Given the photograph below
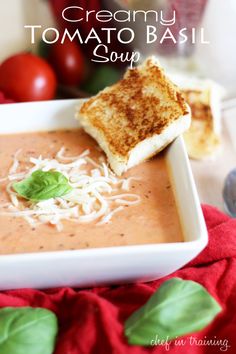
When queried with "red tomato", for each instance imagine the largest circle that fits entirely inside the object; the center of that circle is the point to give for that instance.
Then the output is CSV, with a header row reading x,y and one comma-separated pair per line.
x,y
26,77
68,62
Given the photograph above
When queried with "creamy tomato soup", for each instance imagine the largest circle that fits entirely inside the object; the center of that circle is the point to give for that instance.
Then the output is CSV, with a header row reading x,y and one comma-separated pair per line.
x,y
153,220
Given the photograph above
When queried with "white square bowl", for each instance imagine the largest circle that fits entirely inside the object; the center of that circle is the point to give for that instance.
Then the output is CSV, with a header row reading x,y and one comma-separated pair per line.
x,y
92,267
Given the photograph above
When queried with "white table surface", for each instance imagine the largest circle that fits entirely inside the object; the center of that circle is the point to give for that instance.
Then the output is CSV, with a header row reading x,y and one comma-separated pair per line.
x,y
210,174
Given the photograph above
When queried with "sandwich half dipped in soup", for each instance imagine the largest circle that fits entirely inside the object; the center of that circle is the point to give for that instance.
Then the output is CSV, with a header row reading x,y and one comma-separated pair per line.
x,y
137,117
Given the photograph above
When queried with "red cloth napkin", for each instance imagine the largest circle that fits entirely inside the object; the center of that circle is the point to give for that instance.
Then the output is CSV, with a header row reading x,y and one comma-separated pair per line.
x,y
91,320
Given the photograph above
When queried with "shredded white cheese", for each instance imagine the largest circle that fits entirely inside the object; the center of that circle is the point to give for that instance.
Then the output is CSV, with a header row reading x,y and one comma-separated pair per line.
x,y
15,163
94,198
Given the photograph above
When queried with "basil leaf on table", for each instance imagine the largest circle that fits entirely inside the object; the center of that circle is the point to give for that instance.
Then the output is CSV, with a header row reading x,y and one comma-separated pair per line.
x,y
177,308
43,185
27,330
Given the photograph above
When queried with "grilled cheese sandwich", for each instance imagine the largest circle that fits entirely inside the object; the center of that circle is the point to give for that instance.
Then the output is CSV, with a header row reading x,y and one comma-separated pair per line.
x,y
137,117
203,96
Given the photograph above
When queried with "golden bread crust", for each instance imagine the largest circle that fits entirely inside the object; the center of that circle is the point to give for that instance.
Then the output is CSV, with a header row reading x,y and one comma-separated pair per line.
x,y
137,107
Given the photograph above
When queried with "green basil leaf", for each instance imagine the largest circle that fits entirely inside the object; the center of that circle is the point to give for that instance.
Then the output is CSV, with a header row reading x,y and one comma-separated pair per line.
x,y
27,330
177,308
43,185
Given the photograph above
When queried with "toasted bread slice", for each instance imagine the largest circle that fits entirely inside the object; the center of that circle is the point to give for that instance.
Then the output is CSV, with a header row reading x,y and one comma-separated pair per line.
x,y
137,117
201,139
203,96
